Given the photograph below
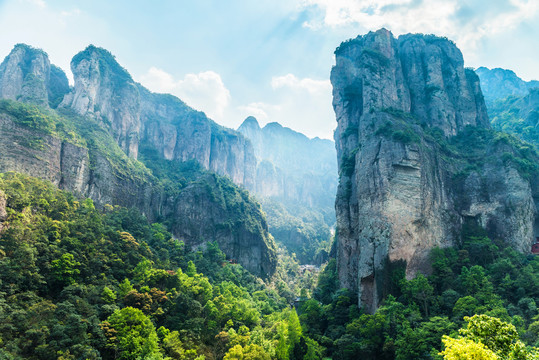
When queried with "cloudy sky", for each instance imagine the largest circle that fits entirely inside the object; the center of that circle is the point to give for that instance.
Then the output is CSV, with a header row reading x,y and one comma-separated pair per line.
x,y
267,58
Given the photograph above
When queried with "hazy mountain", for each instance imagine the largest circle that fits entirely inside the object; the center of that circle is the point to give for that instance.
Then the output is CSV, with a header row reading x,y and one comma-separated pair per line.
x,y
296,178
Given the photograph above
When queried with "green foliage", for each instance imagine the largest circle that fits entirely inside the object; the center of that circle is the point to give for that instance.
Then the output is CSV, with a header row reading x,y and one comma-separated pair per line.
x,y
422,314
107,64
348,163
303,231
76,282
487,337
65,269
131,334
376,56
28,115
400,127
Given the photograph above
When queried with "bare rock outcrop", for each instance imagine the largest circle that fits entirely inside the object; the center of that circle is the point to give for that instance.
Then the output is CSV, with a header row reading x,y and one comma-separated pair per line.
x,y
406,110
27,75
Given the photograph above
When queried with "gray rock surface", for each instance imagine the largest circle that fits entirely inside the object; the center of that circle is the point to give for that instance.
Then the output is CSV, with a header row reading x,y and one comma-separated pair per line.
x,y
27,75
140,118
398,195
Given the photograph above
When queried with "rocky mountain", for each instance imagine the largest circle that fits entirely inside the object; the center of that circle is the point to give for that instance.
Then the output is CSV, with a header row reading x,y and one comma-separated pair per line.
x,y
106,91
500,83
297,179
418,160
90,144
27,75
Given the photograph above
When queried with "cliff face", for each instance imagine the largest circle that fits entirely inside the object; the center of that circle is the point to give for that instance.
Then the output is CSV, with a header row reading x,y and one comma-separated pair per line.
x,y
109,117
139,118
178,132
291,166
404,109
27,75
105,90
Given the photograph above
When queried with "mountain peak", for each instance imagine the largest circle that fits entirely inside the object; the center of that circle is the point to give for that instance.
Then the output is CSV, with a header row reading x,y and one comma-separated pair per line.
x,y
500,83
250,122
107,61
26,75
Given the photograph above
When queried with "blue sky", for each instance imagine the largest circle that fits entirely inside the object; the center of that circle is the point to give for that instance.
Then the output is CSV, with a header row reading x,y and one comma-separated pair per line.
x,y
270,59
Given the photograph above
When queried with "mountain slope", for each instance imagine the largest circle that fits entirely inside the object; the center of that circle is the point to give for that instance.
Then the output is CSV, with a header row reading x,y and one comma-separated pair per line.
x,y
83,147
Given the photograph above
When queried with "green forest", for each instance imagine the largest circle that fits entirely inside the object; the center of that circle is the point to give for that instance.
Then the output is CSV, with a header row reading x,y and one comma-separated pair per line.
x,y
77,282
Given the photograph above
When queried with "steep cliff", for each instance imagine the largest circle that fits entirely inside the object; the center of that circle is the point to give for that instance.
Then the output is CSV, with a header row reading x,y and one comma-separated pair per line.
x,y
105,90
27,75
89,144
417,159
178,132
139,118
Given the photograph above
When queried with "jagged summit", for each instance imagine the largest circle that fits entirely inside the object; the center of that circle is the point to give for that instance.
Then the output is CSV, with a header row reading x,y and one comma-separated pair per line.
x,y
26,74
107,60
250,122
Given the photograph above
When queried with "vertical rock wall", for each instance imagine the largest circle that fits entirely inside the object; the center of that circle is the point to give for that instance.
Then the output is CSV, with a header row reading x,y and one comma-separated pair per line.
x,y
397,195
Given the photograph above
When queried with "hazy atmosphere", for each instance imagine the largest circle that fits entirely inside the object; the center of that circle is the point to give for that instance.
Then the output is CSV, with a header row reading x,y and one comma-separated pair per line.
x,y
269,59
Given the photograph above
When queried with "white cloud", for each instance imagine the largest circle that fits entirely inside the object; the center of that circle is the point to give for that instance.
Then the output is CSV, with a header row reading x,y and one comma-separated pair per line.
x,y
465,22
291,81
70,13
259,110
39,3
204,91
302,104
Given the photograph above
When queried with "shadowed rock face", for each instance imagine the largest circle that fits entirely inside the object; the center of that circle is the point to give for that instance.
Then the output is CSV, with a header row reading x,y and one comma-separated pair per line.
x,y
398,195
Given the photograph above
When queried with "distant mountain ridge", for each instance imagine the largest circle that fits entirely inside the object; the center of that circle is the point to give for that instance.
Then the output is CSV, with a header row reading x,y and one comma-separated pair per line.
x,y
500,83
296,179
290,165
